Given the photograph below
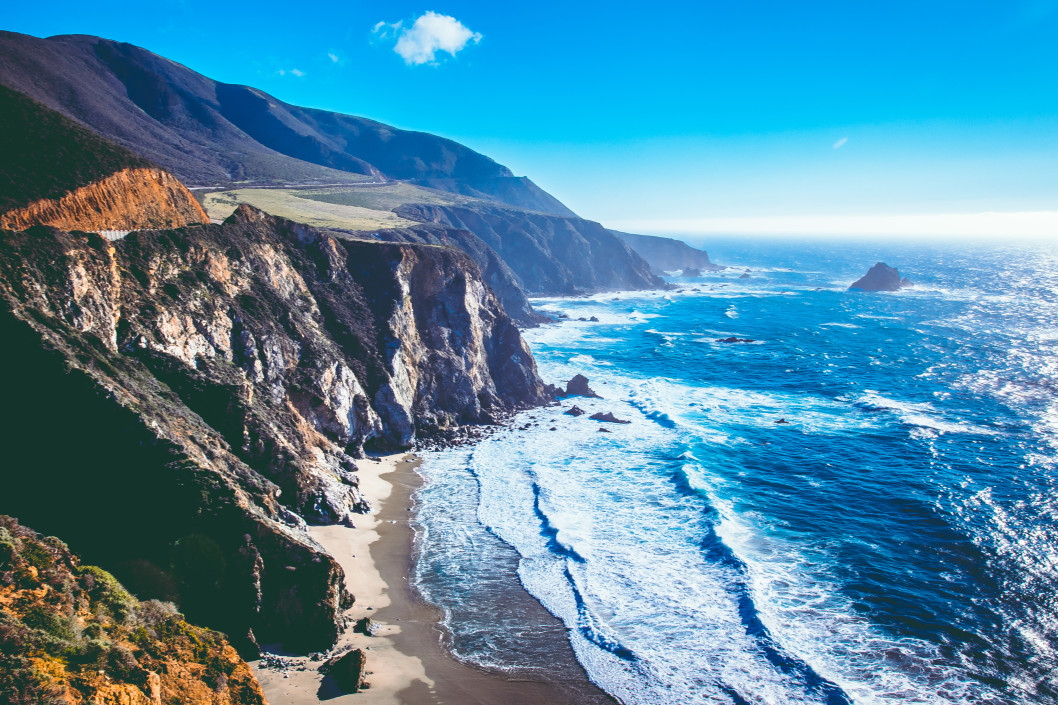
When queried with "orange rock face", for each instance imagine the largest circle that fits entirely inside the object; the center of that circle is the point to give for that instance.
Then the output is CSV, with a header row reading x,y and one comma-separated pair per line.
x,y
131,199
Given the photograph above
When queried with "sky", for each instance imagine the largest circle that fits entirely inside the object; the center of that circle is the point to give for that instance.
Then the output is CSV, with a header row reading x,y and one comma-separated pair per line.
x,y
743,116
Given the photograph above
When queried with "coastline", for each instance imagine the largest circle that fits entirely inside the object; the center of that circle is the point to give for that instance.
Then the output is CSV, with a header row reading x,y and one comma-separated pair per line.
x,y
407,662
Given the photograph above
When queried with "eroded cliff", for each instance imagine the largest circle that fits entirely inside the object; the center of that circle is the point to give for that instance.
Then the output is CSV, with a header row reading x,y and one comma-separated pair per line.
x,y
131,199
209,384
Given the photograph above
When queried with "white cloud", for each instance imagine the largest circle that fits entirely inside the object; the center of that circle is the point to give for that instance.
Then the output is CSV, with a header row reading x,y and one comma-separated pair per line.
x,y
333,56
429,34
841,143
291,72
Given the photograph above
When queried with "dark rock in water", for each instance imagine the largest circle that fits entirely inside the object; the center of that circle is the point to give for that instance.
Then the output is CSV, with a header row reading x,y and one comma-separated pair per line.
x,y
594,319
691,272
744,276
604,430
782,421
608,417
348,670
575,411
578,387
881,277
364,626
733,339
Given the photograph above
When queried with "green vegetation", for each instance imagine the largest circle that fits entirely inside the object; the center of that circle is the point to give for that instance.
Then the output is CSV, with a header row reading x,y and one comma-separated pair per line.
x,y
44,154
64,625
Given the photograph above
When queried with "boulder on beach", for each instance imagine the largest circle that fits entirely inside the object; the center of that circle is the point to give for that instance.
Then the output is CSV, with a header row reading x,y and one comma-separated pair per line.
x,y
578,387
607,417
575,411
348,670
881,277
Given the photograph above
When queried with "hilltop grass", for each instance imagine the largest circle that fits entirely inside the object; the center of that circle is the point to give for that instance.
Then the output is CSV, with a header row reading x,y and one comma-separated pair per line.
x,y
287,203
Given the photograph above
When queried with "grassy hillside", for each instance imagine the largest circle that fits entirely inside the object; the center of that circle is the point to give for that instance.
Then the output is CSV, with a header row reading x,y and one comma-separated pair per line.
x,y
46,155
70,633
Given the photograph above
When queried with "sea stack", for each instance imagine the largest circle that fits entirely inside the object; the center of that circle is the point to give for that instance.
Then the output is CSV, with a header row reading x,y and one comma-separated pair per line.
x,y
880,277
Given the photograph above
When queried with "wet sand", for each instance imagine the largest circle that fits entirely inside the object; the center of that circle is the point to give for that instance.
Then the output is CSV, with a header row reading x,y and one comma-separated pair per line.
x,y
406,660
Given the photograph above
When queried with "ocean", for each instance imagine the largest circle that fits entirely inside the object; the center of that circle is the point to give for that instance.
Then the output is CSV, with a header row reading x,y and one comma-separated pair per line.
x,y
893,542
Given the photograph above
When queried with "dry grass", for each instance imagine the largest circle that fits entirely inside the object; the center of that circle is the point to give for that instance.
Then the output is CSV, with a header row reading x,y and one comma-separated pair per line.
x,y
297,205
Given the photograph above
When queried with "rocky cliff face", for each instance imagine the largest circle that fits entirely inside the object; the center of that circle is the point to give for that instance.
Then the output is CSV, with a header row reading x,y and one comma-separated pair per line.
x,y
551,255
209,382
131,199
71,634
496,273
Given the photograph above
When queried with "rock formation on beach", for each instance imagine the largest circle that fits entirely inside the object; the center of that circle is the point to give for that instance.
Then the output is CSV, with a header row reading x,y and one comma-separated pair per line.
x,y
71,634
880,277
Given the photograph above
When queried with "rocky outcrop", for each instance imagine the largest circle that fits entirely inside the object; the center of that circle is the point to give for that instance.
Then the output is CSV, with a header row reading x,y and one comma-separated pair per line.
x,y
500,278
348,670
71,634
211,384
608,417
578,387
880,277
665,254
131,199
551,255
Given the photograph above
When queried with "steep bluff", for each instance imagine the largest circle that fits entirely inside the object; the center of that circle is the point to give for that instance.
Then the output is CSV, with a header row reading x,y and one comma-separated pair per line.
x,y
131,199
71,634
549,254
665,254
496,273
209,384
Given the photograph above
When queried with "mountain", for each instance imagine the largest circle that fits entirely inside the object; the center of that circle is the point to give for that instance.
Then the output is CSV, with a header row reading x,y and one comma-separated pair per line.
x,y
212,133
666,254
206,132
212,385
70,633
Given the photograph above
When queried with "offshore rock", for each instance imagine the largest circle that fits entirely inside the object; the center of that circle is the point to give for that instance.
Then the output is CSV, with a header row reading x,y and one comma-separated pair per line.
x,y
215,382
575,411
881,277
608,417
578,387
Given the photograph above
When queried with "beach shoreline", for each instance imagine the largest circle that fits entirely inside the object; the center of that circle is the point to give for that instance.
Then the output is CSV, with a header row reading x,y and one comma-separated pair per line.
x,y
407,662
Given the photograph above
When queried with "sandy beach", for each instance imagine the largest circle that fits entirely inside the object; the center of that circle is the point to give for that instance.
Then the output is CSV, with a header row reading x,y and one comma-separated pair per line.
x,y
406,661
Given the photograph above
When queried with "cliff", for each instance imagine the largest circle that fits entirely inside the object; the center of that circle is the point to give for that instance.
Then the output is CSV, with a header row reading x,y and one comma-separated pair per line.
x,y
131,199
665,254
70,634
550,255
218,381
494,270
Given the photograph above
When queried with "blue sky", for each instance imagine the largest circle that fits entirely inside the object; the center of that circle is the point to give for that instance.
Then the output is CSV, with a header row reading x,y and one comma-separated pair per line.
x,y
670,116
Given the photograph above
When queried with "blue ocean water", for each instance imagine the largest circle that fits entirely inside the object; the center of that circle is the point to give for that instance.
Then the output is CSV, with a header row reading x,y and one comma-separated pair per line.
x,y
894,541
